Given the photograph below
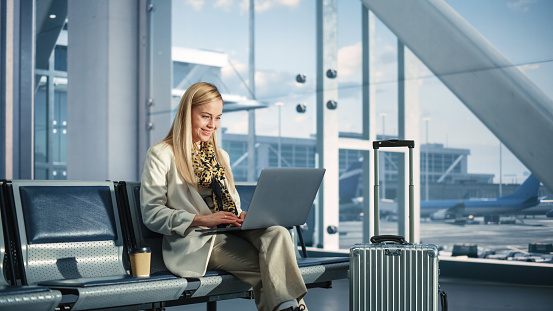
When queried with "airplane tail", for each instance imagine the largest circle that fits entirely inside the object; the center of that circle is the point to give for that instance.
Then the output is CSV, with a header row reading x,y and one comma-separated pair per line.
x,y
349,180
528,190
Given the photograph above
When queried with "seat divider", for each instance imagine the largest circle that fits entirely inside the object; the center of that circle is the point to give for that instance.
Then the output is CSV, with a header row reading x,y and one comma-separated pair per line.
x,y
125,219
8,234
13,229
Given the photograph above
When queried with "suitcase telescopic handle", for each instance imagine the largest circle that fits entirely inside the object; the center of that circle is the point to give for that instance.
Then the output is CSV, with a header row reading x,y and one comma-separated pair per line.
x,y
377,239
393,143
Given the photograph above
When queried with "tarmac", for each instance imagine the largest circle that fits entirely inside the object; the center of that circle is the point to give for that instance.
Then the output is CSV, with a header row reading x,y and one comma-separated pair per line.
x,y
488,237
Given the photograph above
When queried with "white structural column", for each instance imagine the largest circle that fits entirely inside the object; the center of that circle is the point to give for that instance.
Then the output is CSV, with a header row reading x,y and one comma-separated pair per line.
x,y
104,87
497,92
327,122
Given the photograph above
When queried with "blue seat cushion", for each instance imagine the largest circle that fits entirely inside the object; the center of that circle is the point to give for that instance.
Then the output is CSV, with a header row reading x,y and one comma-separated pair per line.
x,y
246,194
55,214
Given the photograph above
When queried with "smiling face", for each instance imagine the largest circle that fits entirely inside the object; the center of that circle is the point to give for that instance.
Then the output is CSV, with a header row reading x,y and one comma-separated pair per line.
x,y
205,120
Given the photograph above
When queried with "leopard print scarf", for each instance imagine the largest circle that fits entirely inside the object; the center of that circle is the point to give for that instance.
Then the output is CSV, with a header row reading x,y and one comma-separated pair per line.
x,y
211,175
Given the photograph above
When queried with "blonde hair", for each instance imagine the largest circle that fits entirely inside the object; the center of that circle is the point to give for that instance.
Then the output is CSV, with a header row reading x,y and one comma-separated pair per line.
x,y
180,134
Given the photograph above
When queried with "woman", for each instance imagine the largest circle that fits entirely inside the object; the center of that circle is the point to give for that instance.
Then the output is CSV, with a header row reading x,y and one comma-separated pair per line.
x,y
187,184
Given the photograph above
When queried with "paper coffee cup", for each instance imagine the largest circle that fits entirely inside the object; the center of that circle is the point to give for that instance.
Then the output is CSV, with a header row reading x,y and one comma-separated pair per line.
x,y
140,262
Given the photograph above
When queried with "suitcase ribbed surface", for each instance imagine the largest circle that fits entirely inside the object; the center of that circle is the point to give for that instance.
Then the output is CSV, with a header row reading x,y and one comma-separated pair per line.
x,y
393,277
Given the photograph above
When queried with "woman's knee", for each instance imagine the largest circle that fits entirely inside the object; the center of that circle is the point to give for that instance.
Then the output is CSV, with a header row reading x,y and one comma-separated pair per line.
x,y
277,235
278,232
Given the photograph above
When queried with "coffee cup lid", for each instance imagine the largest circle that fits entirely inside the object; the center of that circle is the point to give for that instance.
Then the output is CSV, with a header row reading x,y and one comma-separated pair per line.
x,y
140,250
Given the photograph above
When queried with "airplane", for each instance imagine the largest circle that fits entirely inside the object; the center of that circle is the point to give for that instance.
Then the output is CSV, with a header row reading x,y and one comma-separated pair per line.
x,y
351,205
524,197
545,207
458,210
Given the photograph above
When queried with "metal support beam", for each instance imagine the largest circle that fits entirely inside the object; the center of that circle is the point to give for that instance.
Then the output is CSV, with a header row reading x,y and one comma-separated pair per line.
x,y
18,54
3,128
369,119
327,122
402,224
408,128
160,73
144,83
25,118
155,74
252,163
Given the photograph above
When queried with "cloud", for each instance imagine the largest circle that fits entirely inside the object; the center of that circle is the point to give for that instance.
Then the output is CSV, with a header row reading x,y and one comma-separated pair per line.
x,y
389,56
235,122
224,4
529,67
349,61
521,6
196,4
265,5
270,85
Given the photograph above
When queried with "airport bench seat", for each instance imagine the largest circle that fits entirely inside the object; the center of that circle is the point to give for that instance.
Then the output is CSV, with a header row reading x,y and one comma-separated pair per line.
x,y
316,272
214,285
31,298
71,240
15,297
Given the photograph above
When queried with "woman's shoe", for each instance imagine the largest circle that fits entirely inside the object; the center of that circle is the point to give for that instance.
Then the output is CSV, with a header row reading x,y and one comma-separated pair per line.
x,y
298,308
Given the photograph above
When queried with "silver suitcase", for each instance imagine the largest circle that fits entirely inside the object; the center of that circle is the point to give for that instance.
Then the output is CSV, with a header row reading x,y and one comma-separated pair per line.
x,y
390,273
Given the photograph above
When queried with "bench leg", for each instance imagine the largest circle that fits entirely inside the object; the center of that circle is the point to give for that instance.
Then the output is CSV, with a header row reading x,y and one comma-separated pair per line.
x,y
212,306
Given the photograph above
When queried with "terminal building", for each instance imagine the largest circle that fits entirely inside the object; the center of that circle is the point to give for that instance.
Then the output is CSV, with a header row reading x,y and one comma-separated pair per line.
x,y
448,165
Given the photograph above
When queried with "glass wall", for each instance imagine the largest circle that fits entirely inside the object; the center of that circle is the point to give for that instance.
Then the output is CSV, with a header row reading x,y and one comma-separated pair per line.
x,y
460,159
50,152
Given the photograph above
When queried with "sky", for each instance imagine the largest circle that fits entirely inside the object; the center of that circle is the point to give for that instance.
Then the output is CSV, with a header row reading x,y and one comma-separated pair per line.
x,y
285,46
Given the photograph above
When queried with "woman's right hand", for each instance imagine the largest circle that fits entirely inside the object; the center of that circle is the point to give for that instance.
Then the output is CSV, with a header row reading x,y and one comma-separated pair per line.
x,y
215,219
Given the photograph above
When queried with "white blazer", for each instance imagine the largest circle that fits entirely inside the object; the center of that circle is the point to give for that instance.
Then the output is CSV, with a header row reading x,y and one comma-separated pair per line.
x,y
169,205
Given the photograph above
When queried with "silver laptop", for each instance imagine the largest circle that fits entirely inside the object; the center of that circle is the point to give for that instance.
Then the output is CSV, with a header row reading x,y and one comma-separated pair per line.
x,y
283,196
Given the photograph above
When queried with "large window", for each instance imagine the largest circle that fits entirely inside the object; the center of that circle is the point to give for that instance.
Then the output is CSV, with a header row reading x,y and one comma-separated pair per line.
x,y
460,159
51,116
